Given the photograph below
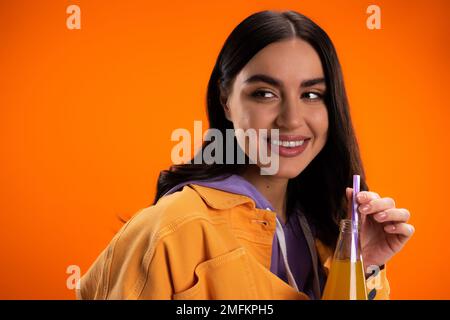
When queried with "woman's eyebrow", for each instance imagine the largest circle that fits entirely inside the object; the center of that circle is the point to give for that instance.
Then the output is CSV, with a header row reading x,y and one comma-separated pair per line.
x,y
278,83
311,82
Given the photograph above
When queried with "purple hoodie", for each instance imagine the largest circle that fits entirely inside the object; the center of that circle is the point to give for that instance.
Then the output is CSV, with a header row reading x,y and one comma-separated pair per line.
x,y
298,252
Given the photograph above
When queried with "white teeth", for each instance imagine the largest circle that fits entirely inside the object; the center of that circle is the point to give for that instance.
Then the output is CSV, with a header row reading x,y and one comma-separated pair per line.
x,y
289,144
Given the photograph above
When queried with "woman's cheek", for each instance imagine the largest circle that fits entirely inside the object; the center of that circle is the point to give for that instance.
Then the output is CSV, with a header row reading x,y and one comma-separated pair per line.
x,y
254,118
261,120
319,122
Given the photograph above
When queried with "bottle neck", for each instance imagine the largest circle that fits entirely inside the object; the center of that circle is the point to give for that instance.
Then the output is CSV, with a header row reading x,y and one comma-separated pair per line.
x,y
348,226
349,245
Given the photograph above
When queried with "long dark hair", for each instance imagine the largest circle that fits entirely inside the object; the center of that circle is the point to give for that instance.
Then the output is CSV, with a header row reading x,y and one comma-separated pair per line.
x,y
320,189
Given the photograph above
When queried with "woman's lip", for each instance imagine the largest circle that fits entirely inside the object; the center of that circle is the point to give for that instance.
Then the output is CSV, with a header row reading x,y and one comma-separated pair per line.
x,y
290,151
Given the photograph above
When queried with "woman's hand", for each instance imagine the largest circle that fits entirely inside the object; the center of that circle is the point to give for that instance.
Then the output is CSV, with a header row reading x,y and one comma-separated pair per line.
x,y
384,230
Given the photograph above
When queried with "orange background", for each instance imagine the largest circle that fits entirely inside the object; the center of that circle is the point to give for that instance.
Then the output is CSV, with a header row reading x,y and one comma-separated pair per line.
x,y
86,117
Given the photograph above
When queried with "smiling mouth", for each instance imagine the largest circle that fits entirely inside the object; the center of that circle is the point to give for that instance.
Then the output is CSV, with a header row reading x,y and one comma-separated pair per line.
x,y
289,146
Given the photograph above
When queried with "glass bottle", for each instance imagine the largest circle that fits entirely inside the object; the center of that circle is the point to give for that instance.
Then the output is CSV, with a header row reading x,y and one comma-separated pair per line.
x,y
346,279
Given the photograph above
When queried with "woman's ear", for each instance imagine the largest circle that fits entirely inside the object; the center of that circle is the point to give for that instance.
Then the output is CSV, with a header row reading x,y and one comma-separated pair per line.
x,y
224,103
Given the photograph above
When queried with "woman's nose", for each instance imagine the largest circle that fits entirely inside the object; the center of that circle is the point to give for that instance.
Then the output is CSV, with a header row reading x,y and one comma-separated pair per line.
x,y
291,113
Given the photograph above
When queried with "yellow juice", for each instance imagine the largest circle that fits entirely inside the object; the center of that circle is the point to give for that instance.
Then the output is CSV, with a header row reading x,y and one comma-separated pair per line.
x,y
345,281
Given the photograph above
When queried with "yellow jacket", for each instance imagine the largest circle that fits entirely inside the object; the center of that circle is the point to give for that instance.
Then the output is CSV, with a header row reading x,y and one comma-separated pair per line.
x,y
199,243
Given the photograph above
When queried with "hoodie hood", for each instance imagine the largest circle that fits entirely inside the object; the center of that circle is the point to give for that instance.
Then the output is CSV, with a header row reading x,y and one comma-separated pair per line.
x,y
233,184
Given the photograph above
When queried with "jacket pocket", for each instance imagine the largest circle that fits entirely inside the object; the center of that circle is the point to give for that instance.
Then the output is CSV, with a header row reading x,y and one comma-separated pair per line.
x,y
225,277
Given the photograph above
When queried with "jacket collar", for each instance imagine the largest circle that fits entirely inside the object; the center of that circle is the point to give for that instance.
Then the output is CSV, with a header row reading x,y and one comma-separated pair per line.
x,y
219,199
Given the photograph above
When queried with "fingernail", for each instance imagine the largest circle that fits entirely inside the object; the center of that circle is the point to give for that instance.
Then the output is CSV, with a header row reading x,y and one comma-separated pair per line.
x,y
361,196
391,227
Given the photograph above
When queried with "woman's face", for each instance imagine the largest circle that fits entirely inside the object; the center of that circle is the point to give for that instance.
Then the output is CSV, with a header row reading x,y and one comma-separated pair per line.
x,y
282,87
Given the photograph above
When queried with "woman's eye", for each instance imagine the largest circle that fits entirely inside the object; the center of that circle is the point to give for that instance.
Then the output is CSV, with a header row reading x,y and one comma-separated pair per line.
x,y
312,96
263,94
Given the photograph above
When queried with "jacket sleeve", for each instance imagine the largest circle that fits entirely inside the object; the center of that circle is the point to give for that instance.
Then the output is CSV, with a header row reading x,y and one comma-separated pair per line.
x,y
133,259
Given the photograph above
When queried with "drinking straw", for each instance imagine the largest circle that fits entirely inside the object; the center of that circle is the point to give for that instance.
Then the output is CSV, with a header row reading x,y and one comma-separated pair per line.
x,y
355,217
356,187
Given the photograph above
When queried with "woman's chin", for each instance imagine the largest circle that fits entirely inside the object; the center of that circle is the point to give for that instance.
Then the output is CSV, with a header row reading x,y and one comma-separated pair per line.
x,y
288,172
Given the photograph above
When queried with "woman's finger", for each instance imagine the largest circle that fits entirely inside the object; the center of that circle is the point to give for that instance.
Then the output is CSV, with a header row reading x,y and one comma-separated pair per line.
x,y
377,205
401,228
394,214
366,196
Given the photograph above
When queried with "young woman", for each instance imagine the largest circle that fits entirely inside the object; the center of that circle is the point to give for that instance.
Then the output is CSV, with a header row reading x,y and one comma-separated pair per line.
x,y
226,231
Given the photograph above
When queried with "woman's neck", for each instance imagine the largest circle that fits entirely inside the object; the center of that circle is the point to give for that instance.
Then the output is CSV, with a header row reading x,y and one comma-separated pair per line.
x,y
272,188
